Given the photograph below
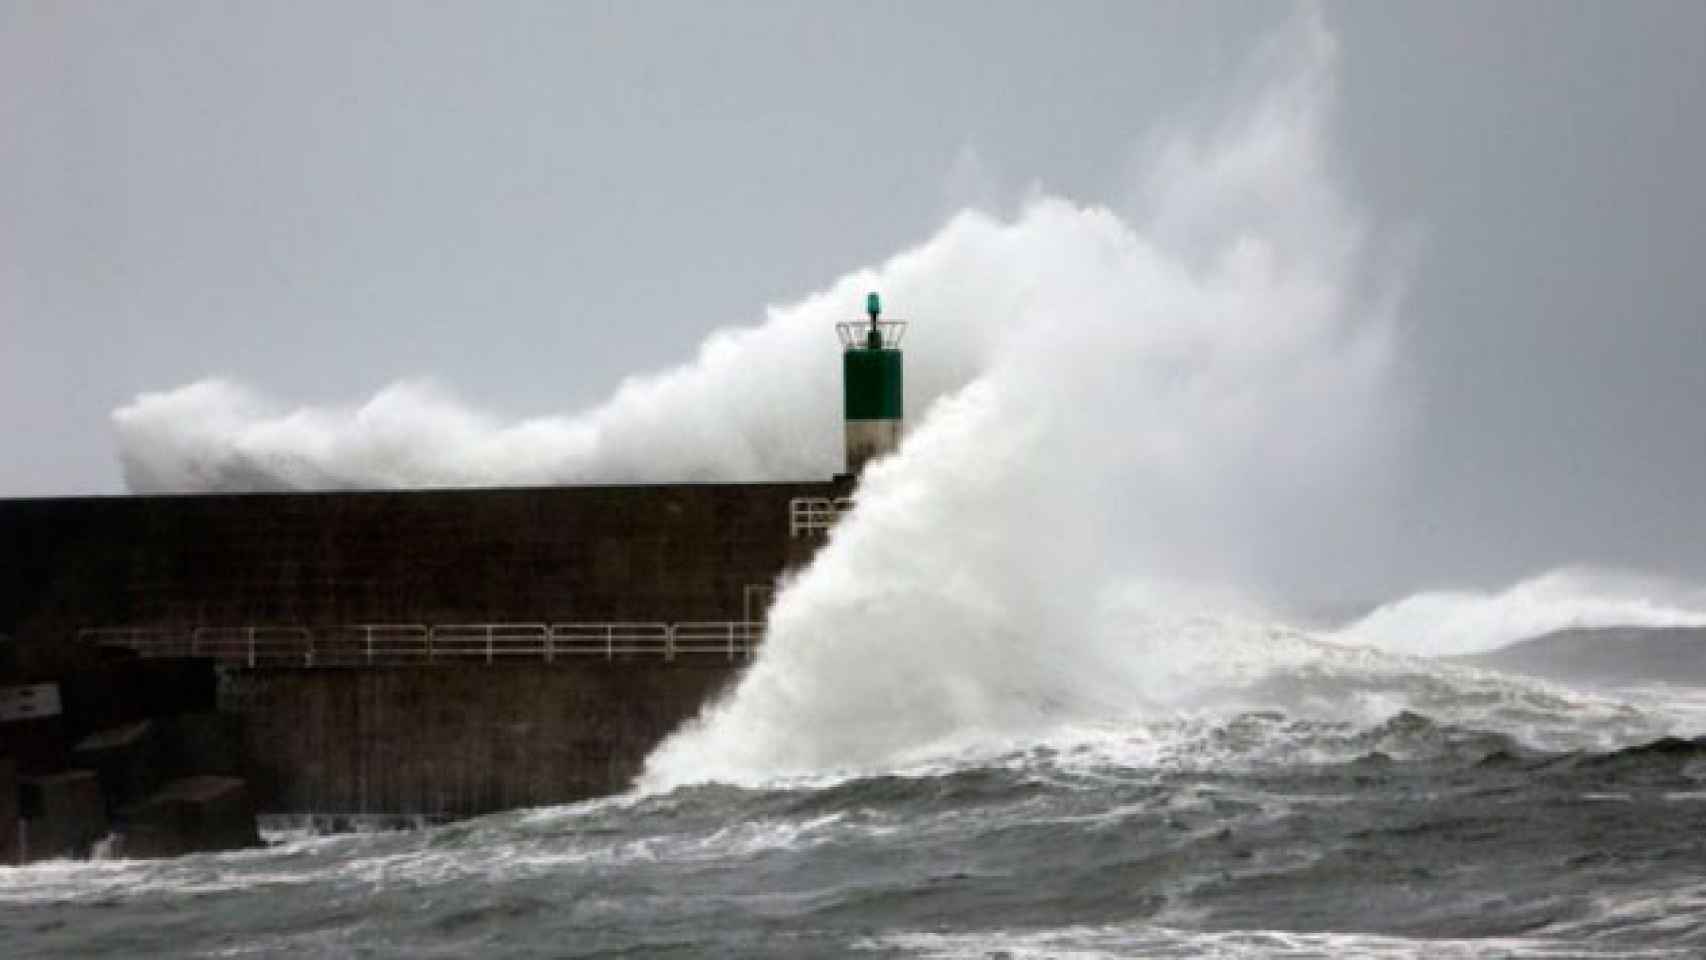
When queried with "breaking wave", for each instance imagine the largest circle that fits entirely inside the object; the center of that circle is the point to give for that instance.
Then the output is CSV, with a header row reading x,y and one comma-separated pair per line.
x,y
1131,427
1081,537
1037,696
1447,622
1186,395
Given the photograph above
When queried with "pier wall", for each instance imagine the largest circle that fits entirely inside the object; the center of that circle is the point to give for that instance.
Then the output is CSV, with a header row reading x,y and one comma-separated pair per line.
x,y
433,739
588,553
460,739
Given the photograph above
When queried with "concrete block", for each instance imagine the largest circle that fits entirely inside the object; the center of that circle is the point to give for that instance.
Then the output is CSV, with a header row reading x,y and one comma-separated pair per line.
x,y
190,815
126,759
202,743
450,741
37,744
116,693
9,672
64,814
8,811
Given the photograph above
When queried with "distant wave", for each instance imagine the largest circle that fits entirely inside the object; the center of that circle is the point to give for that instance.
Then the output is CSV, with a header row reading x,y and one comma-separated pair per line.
x,y
1447,622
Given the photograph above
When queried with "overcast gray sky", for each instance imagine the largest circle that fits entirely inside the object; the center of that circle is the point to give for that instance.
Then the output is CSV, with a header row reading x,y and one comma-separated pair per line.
x,y
529,201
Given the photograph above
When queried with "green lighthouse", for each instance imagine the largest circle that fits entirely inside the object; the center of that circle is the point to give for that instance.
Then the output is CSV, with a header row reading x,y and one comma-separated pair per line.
x,y
871,384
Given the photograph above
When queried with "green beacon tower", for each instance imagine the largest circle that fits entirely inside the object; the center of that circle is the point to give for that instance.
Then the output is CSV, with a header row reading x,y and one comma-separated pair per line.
x,y
871,384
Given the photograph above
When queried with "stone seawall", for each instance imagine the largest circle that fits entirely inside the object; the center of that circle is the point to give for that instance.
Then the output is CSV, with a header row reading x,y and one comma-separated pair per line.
x,y
669,552
9,819
459,739
435,740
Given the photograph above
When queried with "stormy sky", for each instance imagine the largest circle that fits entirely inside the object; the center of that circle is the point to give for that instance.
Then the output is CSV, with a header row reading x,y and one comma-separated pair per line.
x,y
528,202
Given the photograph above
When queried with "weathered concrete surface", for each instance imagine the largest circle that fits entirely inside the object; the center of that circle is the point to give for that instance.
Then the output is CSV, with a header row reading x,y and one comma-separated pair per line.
x,y
445,740
172,785
201,743
189,815
123,691
8,811
458,740
104,696
592,553
64,814
127,759
38,746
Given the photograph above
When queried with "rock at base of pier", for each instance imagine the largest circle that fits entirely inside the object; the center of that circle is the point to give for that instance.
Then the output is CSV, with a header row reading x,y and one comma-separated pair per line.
x,y
190,815
8,812
64,814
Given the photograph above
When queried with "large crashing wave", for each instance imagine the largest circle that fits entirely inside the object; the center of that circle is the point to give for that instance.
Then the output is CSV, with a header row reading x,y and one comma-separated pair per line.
x,y
1127,424
1175,390
1186,399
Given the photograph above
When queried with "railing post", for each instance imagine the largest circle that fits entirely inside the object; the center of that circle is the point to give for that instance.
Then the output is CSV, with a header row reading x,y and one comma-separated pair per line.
x,y
367,638
610,641
488,643
251,648
550,643
669,643
432,632
731,629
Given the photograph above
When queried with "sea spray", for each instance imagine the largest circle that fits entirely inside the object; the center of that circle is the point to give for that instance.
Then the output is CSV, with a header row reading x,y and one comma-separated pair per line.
x,y
1164,403
756,403
1137,424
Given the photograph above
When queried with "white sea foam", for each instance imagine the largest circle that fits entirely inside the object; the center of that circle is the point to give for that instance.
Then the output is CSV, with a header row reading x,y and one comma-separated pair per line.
x,y
1164,943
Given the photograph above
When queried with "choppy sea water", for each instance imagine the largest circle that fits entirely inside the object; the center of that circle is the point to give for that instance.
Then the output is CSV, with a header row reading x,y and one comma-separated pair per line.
x,y
1257,834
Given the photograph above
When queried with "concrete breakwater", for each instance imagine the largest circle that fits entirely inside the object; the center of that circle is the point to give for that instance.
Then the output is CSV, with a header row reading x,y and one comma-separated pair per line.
x,y
439,739
454,740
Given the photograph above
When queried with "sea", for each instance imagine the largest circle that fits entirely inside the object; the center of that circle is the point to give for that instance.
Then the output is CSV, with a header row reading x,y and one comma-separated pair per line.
x,y
1486,817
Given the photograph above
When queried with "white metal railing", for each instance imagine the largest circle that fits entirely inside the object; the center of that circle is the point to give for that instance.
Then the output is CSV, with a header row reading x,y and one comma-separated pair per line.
x,y
612,640
734,639
253,645
856,334
813,514
363,644
487,641
397,644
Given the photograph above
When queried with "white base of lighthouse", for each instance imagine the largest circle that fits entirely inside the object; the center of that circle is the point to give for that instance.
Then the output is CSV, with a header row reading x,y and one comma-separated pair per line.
x,y
869,439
